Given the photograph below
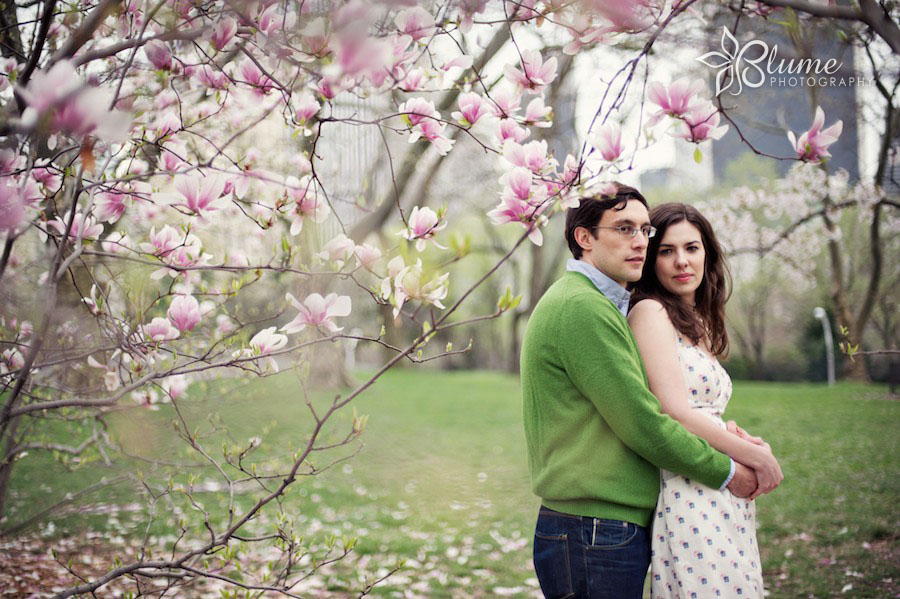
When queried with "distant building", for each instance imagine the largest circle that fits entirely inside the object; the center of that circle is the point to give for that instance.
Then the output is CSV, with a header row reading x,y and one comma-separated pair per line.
x,y
784,102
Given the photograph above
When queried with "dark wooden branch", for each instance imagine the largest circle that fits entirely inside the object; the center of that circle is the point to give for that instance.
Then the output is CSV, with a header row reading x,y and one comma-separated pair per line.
x,y
83,34
869,13
38,47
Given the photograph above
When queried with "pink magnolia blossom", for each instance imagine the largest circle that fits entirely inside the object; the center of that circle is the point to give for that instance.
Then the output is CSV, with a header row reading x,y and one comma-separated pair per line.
x,y
166,124
571,170
272,20
47,177
200,193
189,253
159,54
362,56
413,80
146,397
608,141
462,62
182,250
88,114
254,77
111,378
162,242
537,114
517,183
184,312
701,123
262,344
510,129
514,210
307,204
812,146
315,36
10,161
7,68
224,324
415,110
75,109
424,223
82,227
674,100
585,31
95,302
110,205
11,359
306,108
401,53
337,250
48,88
415,22
535,73
626,15
328,87
471,108
506,102
433,131
366,255
165,99
468,10
159,329
12,205
316,311
171,157
212,78
115,243
521,9
410,283
354,16
223,31
532,156
175,386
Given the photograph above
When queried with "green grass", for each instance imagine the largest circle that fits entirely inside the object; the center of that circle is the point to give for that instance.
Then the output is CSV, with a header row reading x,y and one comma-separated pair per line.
x,y
440,480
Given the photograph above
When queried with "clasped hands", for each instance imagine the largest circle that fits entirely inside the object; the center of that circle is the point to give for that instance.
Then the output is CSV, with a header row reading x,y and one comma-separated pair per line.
x,y
761,476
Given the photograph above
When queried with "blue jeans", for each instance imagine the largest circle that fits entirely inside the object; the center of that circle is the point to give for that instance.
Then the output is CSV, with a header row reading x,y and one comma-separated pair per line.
x,y
590,558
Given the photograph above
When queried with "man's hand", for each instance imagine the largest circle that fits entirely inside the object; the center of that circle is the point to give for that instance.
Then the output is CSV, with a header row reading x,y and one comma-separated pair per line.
x,y
743,483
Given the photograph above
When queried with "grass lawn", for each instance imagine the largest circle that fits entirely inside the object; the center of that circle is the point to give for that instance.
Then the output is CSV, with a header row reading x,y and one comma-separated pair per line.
x,y
440,481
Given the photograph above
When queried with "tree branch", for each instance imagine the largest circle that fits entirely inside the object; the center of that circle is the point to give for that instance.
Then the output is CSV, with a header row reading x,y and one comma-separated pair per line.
x,y
869,13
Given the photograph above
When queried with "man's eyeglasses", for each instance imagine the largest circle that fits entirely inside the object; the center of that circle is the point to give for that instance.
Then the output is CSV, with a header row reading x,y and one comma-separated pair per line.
x,y
631,231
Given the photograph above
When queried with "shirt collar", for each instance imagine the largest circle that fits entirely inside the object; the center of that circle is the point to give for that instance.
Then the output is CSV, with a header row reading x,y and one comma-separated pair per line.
x,y
614,292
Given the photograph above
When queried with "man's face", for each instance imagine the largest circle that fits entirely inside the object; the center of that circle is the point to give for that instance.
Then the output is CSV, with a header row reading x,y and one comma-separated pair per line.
x,y
618,256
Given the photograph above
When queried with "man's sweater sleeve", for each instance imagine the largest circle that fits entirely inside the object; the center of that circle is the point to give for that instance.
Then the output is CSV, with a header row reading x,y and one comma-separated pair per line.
x,y
599,356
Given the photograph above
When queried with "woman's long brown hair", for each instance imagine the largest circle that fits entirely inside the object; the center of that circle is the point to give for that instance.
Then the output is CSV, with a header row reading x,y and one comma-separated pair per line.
x,y
707,319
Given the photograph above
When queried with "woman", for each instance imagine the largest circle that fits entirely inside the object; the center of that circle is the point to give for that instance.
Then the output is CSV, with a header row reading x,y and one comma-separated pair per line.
x,y
704,540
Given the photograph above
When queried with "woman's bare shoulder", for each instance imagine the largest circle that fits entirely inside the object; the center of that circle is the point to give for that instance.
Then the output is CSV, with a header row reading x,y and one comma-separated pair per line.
x,y
650,314
647,308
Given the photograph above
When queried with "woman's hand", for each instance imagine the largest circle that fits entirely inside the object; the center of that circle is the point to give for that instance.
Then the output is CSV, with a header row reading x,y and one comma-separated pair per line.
x,y
768,471
734,429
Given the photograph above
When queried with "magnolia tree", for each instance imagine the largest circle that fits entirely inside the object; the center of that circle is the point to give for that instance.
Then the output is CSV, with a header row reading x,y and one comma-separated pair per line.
x,y
787,224
143,202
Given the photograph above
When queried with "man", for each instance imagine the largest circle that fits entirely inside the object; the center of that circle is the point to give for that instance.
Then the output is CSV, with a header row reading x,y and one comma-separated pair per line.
x,y
596,437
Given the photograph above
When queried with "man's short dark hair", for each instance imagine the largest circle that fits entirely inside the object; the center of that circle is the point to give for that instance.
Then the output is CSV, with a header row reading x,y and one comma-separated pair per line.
x,y
591,209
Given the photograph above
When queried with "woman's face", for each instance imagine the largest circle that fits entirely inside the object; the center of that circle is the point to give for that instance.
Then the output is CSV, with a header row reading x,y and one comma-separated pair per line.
x,y
681,260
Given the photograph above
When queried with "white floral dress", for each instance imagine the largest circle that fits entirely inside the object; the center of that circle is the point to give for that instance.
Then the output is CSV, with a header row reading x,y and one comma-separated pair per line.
x,y
704,540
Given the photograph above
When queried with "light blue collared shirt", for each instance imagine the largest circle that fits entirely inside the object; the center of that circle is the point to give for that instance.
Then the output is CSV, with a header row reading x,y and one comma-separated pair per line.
x,y
617,294
620,297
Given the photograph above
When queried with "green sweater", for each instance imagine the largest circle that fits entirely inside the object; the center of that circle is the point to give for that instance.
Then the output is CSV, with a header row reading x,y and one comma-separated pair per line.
x,y
596,436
